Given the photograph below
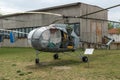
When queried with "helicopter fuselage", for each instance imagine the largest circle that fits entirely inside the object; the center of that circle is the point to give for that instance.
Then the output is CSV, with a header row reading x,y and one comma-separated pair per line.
x,y
54,38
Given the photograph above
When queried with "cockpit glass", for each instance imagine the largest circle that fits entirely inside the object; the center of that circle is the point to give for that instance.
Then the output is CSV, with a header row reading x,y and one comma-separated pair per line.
x,y
46,35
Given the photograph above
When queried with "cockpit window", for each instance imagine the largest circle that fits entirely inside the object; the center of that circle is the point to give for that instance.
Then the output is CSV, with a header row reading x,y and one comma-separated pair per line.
x,y
46,35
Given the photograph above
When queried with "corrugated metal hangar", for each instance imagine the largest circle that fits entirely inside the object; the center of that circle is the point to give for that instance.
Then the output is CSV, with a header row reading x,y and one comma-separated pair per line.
x,y
89,30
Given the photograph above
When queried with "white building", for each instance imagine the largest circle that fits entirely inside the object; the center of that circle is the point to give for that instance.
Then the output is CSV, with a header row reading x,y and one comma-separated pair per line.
x,y
115,34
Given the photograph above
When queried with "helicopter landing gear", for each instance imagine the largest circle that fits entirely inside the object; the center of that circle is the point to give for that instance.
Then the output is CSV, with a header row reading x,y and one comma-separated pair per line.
x,y
55,56
85,59
37,61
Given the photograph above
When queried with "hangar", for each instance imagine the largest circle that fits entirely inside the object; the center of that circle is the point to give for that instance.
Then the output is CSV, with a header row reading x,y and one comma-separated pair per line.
x,y
90,31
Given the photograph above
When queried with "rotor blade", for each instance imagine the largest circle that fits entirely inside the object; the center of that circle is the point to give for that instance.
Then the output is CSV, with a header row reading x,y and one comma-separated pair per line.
x,y
13,31
91,12
100,10
2,34
48,13
101,19
91,18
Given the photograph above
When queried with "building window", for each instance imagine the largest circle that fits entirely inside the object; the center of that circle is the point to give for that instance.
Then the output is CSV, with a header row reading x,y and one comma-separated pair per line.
x,y
25,30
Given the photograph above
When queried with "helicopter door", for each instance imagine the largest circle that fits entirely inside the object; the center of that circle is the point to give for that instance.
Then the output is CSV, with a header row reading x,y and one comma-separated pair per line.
x,y
64,42
67,41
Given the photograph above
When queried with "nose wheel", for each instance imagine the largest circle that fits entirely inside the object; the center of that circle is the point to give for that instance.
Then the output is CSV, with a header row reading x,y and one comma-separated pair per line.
x,y
37,61
55,56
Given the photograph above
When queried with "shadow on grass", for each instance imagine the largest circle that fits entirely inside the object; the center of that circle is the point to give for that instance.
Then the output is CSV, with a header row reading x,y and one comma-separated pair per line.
x,y
54,63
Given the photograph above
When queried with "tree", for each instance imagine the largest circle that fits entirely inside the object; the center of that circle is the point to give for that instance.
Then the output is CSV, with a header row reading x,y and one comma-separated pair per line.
x,y
113,25
110,25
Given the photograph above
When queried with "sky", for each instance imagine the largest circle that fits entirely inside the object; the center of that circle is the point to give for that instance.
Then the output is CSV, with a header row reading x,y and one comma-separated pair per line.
x,y
14,6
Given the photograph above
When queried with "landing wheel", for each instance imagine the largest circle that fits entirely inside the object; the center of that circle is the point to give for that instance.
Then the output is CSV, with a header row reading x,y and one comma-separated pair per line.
x,y
55,56
37,61
85,59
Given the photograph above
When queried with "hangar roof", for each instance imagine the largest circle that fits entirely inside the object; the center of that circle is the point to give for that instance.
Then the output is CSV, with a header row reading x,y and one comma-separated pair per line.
x,y
49,8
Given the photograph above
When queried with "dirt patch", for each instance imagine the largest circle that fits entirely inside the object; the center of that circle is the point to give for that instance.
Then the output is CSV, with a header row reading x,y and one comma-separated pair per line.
x,y
62,67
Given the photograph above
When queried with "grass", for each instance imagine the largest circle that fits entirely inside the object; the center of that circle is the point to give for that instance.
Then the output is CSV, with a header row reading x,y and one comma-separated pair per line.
x,y
19,64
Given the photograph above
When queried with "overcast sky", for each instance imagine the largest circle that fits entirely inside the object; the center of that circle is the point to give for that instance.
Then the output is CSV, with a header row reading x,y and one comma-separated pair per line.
x,y
13,6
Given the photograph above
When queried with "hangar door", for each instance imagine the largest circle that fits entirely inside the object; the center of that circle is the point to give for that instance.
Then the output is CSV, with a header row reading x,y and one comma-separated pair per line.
x,y
96,32
99,32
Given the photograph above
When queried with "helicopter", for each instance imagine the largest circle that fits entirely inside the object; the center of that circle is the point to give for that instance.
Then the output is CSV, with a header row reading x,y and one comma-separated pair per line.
x,y
54,37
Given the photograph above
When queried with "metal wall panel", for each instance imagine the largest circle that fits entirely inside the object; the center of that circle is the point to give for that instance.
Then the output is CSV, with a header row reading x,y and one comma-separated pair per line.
x,y
93,30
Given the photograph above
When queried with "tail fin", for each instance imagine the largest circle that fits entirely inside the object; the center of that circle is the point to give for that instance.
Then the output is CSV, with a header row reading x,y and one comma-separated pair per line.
x,y
12,37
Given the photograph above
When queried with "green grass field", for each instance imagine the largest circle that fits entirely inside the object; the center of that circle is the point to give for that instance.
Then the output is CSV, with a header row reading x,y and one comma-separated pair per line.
x,y
19,64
